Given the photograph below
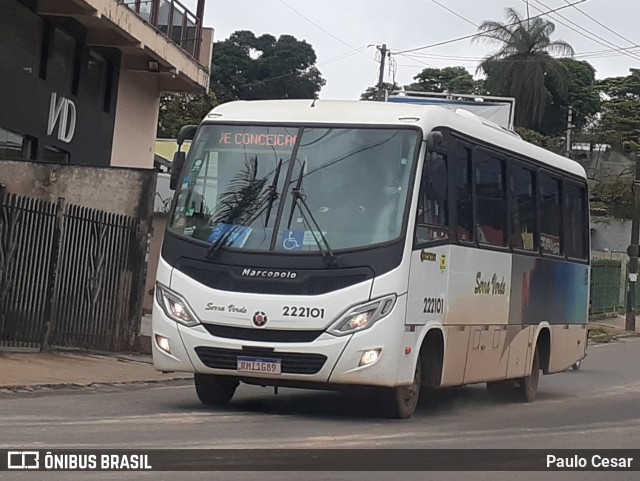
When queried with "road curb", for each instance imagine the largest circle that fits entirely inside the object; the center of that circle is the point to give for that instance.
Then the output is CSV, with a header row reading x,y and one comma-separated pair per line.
x,y
16,388
142,344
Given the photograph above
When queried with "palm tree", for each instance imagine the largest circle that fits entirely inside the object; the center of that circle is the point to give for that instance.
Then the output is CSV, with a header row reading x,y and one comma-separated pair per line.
x,y
523,62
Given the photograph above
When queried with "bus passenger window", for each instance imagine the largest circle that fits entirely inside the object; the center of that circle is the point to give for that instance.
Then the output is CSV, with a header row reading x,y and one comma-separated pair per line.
x,y
490,201
463,192
523,211
433,220
550,215
576,220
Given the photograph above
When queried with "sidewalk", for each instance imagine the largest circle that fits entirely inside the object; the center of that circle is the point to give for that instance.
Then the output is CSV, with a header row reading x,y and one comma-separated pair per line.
x,y
611,328
28,371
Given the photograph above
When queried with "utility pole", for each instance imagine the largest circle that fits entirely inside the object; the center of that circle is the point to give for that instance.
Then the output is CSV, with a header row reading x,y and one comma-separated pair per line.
x,y
632,251
567,146
630,318
383,58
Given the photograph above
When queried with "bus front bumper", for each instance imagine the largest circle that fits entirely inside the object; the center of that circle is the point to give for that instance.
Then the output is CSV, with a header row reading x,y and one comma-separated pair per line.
x,y
328,359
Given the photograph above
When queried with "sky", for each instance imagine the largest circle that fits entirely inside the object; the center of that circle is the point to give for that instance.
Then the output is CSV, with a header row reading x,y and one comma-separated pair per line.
x,y
345,33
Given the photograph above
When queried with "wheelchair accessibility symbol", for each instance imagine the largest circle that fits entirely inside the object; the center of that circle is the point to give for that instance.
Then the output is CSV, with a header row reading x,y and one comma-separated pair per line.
x,y
293,240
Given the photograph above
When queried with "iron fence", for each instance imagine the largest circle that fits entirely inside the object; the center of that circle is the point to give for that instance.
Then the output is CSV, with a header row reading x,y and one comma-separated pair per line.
x,y
70,276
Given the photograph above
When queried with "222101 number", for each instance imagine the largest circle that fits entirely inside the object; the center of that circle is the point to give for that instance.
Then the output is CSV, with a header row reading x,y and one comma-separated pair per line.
x,y
293,311
433,305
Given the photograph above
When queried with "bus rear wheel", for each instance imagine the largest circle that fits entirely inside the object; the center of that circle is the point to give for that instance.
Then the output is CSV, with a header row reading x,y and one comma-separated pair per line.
x,y
401,402
528,385
215,390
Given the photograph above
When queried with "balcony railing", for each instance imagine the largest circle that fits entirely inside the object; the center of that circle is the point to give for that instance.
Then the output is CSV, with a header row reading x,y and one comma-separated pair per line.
x,y
171,18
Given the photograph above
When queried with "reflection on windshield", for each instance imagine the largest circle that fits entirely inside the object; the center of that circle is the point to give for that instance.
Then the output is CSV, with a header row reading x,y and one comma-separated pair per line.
x,y
353,181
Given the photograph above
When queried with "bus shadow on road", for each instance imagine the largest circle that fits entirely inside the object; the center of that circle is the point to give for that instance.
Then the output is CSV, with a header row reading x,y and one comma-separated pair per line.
x,y
363,404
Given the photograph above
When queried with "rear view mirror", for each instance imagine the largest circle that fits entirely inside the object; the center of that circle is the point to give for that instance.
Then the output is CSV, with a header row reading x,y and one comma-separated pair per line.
x,y
187,132
435,178
178,162
436,142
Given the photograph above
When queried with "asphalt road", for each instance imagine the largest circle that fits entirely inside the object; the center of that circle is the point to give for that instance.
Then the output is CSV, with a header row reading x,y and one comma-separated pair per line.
x,y
597,407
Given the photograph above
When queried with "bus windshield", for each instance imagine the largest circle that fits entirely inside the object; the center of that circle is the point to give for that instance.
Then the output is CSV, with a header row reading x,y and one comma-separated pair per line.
x,y
239,182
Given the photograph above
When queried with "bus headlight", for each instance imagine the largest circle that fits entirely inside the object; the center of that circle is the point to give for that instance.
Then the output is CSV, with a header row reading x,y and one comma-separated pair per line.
x,y
364,316
175,307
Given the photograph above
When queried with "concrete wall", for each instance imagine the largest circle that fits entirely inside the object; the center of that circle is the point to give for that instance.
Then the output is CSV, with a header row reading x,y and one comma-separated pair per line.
x,y
158,226
122,191
612,234
136,120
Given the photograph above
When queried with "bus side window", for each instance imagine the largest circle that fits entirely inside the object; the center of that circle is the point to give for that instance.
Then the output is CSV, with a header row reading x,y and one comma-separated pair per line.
x,y
523,212
433,219
490,201
576,216
462,183
550,215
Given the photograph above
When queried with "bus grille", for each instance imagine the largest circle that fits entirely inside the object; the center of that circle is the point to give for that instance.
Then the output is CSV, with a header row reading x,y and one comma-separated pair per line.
x,y
292,362
309,283
261,335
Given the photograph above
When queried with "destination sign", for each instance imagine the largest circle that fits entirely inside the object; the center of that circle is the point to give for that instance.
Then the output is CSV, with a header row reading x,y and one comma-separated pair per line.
x,y
232,138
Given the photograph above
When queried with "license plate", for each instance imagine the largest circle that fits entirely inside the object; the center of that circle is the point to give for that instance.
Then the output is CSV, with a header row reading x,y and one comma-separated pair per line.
x,y
260,365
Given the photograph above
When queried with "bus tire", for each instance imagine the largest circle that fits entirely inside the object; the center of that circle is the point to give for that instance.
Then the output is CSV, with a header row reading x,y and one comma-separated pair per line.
x,y
401,402
528,385
214,390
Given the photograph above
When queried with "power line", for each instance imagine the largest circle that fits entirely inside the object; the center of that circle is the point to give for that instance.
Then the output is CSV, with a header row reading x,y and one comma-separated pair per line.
x,y
601,41
455,13
604,26
421,62
320,28
296,72
454,58
466,37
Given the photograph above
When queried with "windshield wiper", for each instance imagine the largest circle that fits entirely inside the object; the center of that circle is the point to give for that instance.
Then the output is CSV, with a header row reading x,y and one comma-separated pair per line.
x,y
299,200
268,198
273,193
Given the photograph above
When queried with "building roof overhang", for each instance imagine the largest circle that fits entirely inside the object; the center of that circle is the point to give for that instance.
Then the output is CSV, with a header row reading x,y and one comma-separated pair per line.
x,y
145,48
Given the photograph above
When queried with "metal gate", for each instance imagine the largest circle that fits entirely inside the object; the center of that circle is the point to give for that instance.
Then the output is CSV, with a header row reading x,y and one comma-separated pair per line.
x,y
70,276
605,286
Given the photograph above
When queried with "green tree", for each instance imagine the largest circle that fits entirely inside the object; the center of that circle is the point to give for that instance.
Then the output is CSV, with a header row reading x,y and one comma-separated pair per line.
x,y
449,79
372,93
619,121
581,93
549,142
246,67
177,110
523,62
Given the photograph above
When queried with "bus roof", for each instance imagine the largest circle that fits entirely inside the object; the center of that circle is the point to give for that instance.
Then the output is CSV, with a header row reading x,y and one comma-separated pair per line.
x,y
362,113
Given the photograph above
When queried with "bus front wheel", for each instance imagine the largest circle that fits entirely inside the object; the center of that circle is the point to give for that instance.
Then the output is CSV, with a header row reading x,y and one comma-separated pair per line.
x,y
401,402
214,390
528,385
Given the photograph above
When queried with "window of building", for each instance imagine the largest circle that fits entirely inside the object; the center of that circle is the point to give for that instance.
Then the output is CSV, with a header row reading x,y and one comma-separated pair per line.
x,y
575,208
55,155
20,37
523,208
10,145
433,219
17,147
550,214
96,79
61,61
490,201
462,184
